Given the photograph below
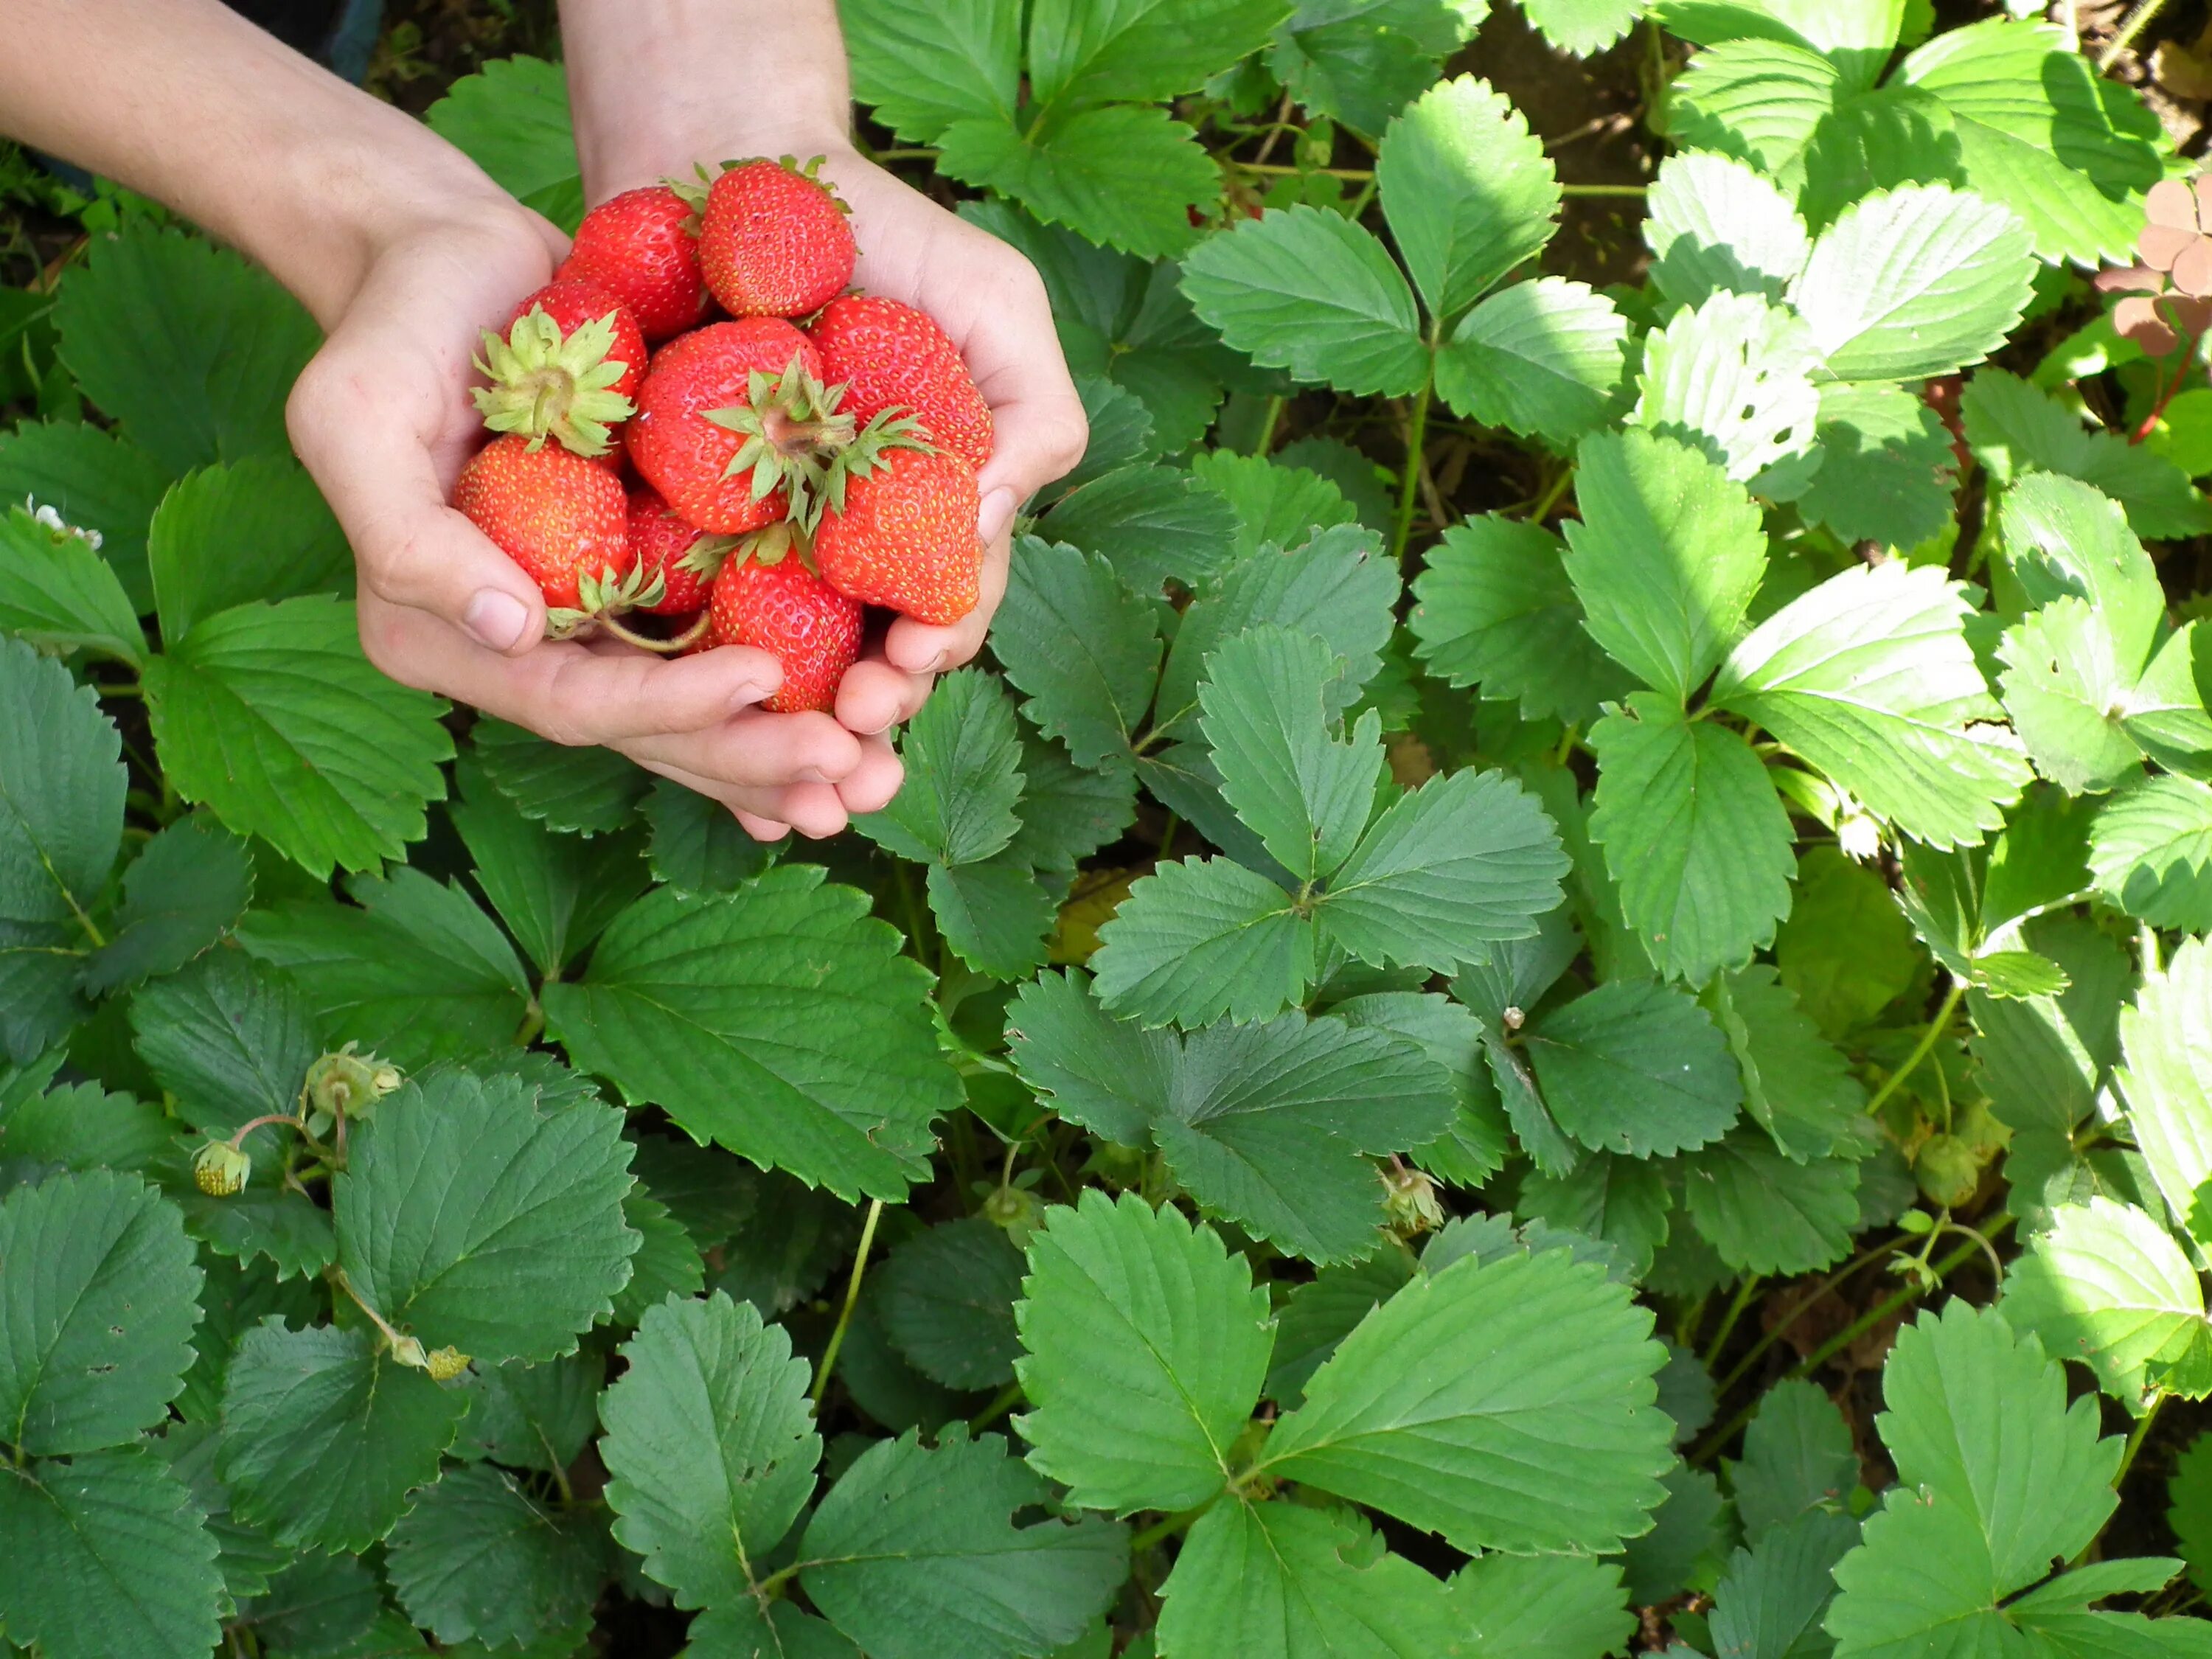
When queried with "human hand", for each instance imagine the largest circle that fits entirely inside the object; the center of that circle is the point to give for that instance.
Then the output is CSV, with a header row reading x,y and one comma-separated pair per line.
x,y
381,417
989,299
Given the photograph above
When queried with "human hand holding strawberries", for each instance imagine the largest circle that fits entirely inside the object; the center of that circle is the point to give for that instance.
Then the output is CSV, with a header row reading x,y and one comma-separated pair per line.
x,y
715,79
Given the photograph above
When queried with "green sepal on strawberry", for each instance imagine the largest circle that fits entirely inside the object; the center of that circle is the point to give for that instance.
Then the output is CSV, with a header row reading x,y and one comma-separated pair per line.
x,y
888,356
765,596
562,519
566,369
733,422
899,530
683,556
642,246
773,238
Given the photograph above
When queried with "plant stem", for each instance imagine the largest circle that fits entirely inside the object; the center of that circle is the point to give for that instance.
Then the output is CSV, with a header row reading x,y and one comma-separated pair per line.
x,y
1550,498
1007,1399
1267,439
1417,432
1277,167
1768,1338
252,1124
852,1299
1167,1526
2145,13
1604,190
1745,1291
2136,1436
1712,1444
1926,1045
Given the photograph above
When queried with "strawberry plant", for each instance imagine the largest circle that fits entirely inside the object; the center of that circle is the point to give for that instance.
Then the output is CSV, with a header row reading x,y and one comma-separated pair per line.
x,y
1549,997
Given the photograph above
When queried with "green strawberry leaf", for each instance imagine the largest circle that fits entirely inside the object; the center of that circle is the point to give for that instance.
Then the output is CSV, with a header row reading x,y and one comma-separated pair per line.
x,y
1914,282
477,1559
416,972
913,1554
1311,291
1870,678
1719,226
778,1021
1146,1346
1467,190
107,1554
1084,649
1542,358
1471,1370
1693,835
963,777
99,1294
344,759
323,1436
61,595
62,783
948,1303
710,1446
180,894
228,536
1665,557
1636,1068
187,348
94,480
471,1216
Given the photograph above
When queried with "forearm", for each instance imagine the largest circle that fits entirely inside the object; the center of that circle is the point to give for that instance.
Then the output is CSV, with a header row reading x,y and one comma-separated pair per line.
x,y
648,82
186,102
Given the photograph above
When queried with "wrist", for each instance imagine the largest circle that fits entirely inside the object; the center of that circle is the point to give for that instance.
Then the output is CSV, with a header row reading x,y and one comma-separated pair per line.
x,y
709,80
353,194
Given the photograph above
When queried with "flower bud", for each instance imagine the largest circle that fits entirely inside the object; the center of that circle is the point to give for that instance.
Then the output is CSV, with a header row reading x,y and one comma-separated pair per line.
x,y
346,1085
1409,1201
445,1364
1948,1170
220,1168
409,1351
1018,1211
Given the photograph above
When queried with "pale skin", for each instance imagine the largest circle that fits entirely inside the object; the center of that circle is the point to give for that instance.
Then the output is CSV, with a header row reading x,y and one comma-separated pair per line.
x,y
405,252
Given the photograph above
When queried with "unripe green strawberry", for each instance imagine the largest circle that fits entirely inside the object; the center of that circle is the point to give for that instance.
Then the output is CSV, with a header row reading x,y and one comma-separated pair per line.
x,y
732,423
773,240
683,555
765,597
904,535
889,355
643,247
566,369
219,1170
1947,1169
562,518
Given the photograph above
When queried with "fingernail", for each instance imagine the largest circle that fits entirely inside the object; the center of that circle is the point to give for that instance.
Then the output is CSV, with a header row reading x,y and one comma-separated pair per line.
x,y
496,619
997,513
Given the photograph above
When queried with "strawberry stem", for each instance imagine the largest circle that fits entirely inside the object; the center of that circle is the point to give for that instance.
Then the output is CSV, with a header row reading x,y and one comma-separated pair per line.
x,y
683,641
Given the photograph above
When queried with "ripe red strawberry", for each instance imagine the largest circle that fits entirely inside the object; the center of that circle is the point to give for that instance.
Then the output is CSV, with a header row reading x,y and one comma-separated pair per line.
x,y
904,535
643,246
567,368
683,556
783,608
889,355
774,240
561,517
730,420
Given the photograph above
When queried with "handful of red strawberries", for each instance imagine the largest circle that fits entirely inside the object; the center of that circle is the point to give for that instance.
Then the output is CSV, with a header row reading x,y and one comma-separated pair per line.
x,y
803,452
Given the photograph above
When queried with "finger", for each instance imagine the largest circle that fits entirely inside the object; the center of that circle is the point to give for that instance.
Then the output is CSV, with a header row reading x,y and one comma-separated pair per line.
x,y
874,697
751,808
814,810
919,648
756,749
871,784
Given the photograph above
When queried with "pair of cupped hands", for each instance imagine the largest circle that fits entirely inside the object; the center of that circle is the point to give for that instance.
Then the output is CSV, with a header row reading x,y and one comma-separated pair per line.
x,y
382,419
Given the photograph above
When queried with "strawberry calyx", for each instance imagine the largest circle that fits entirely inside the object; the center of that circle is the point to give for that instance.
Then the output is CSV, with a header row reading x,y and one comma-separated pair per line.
x,y
792,432
703,558
545,384
769,547
603,597
869,451
693,192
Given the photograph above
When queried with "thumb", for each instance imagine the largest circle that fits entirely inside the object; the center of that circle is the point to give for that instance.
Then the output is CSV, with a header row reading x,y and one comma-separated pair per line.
x,y
358,435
